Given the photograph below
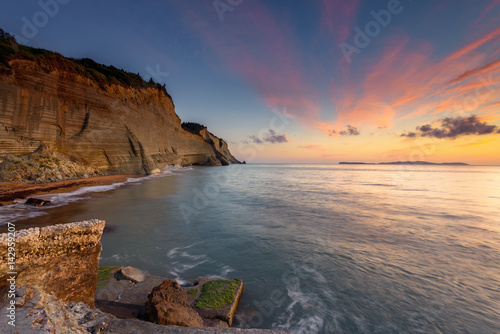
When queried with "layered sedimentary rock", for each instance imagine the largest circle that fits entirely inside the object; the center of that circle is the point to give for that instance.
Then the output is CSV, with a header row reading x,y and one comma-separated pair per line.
x,y
61,260
112,127
220,148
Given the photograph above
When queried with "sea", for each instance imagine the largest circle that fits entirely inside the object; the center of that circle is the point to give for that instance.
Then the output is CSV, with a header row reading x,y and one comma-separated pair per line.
x,y
321,248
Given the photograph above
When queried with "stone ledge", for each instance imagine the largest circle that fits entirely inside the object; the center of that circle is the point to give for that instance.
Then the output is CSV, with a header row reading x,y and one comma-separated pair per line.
x,y
53,240
60,259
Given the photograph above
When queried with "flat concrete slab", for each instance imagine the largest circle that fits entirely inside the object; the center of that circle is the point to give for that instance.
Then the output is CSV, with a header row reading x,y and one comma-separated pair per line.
x,y
215,300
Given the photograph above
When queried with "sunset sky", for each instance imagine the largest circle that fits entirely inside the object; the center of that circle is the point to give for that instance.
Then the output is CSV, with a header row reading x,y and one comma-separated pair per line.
x,y
301,81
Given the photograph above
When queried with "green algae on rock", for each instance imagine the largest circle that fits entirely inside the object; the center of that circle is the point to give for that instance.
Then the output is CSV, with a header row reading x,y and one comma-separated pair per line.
x,y
217,294
192,291
103,274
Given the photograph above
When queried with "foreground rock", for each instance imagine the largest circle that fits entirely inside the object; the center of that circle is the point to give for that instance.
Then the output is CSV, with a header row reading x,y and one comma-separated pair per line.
x,y
163,301
56,281
39,312
167,305
61,260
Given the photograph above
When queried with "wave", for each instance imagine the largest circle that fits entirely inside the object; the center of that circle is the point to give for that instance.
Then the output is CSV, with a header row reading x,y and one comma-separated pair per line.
x,y
183,262
307,311
18,211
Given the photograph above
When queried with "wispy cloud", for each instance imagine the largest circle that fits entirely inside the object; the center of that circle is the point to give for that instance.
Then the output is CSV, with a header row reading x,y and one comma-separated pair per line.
x,y
407,77
406,82
264,52
476,71
312,147
338,17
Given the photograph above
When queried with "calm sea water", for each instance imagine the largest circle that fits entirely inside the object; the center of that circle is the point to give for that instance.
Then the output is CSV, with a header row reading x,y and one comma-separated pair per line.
x,y
320,248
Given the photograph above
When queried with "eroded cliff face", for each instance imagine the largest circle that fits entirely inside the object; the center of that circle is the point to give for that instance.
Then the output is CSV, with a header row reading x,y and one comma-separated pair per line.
x,y
220,148
112,127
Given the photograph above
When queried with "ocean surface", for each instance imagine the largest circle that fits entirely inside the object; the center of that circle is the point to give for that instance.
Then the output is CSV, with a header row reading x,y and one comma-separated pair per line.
x,y
320,248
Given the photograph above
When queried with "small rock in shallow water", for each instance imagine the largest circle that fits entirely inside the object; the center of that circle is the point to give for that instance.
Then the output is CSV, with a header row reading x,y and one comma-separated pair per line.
x,y
38,202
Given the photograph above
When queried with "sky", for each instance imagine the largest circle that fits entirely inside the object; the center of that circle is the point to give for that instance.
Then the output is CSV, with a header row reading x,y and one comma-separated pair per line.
x,y
318,81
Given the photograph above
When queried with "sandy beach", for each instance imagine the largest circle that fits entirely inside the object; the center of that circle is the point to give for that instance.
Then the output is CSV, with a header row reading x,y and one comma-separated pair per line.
x,y
20,190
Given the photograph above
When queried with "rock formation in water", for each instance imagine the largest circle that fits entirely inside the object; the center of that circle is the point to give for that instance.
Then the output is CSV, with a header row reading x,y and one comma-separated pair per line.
x,y
168,305
56,279
100,117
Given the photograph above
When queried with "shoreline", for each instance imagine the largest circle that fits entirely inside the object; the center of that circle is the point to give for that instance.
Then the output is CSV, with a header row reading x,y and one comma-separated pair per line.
x,y
11,191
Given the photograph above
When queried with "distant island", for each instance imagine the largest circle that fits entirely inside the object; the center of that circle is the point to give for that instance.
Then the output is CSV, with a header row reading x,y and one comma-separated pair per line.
x,y
406,163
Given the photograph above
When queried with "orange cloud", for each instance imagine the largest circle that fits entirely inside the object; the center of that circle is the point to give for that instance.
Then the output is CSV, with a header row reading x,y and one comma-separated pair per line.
x,y
404,82
477,143
475,71
475,45
313,147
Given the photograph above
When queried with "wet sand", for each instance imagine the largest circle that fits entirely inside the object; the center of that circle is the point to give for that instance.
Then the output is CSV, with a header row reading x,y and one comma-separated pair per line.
x,y
20,190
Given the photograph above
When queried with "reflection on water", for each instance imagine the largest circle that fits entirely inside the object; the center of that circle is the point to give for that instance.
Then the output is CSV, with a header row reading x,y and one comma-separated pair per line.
x,y
320,248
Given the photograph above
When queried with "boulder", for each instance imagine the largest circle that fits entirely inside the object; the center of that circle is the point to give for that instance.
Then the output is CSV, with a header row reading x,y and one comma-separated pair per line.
x,y
37,202
167,305
130,273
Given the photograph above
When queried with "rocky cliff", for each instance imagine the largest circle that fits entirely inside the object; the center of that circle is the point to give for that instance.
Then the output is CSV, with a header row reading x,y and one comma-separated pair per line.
x,y
109,119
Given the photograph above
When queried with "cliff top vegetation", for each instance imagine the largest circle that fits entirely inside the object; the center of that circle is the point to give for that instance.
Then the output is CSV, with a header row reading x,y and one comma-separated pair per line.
x,y
100,73
196,128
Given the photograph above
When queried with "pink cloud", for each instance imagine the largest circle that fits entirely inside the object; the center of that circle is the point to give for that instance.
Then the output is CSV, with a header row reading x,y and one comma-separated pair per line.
x,y
475,44
476,71
406,82
486,10
338,17
252,44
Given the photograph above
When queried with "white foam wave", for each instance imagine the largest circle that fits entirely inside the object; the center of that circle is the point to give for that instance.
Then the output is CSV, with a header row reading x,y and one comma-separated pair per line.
x,y
118,257
14,212
183,267
18,211
306,311
183,261
174,251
